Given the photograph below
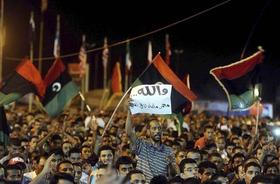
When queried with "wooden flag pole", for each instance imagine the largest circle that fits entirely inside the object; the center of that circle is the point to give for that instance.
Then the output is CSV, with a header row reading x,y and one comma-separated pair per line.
x,y
31,55
84,100
115,110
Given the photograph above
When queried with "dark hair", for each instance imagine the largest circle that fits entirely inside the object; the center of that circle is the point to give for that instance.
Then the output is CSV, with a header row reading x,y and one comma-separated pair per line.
x,y
270,165
249,164
12,167
74,150
63,162
105,147
204,165
268,179
184,162
56,177
128,176
160,179
191,181
123,160
55,137
208,127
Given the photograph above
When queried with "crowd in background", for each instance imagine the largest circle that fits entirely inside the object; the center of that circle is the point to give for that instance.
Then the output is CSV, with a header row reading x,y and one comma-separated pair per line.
x,y
143,148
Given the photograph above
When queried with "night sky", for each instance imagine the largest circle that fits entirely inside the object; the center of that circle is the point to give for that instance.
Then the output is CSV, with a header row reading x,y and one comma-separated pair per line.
x,y
211,39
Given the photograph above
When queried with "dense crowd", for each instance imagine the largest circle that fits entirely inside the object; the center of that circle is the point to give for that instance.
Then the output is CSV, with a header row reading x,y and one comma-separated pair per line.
x,y
75,148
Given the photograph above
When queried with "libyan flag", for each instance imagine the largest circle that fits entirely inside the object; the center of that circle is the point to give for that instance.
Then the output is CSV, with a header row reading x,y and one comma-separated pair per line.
x,y
60,89
240,81
4,127
25,79
158,72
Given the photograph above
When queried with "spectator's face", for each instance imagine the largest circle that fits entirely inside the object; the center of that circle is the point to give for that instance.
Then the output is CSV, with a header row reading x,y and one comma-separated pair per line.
x,y
195,156
220,143
54,161
272,170
63,181
137,178
124,138
156,131
56,144
100,173
190,170
75,157
14,175
251,172
230,150
106,141
240,172
207,174
237,161
86,152
78,173
180,156
222,180
106,156
66,148
218,161
124,169
66,168
209,134
90,140
40,165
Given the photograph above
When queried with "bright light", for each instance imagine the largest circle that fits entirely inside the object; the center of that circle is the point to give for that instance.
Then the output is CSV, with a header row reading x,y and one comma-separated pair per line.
x,y
256,91
276,131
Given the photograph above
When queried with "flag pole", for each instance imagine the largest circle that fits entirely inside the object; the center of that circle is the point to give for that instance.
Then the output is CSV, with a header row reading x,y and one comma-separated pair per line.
x,y
31,55
84,101
110,120
44,4
115,110
257,116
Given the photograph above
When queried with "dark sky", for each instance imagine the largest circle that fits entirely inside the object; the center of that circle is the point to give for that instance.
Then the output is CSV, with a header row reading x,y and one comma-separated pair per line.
x,y
211,39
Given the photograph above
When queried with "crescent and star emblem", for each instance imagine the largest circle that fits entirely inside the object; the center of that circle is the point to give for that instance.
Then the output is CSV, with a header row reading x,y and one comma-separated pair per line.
x,y
56,87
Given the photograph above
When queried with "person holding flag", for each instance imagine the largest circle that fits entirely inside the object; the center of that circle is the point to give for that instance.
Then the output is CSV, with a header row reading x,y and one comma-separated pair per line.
x,y
153,157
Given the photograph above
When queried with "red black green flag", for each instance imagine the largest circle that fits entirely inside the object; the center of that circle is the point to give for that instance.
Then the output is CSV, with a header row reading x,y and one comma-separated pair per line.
x,y
240,81
25,79
158,72
60,89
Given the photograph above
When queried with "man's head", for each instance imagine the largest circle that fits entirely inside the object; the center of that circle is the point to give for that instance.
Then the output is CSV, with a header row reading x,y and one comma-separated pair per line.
x,y
251,169
65,167
179,156
155,130
124,165
62,178
75,155
106,155
206,170
77,172
13,173
66,147
208,133
188,168
85,152
195,155
136,177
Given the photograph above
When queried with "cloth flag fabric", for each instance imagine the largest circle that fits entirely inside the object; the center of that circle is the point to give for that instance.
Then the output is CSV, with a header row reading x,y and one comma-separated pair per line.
x,y
240,81
159,73
83,57
167,50
128,62
60,89
56,48
150,52
25,79
117,79
4,127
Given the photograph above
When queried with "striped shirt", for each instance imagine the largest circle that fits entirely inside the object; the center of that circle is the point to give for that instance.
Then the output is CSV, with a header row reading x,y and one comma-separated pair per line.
x,y
152,160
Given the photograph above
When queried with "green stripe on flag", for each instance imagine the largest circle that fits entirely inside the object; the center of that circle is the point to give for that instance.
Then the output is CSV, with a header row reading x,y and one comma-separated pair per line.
x,y
57,104
6,99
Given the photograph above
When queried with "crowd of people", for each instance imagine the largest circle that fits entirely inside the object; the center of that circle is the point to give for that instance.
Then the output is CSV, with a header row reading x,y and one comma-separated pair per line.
x,y
76,148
